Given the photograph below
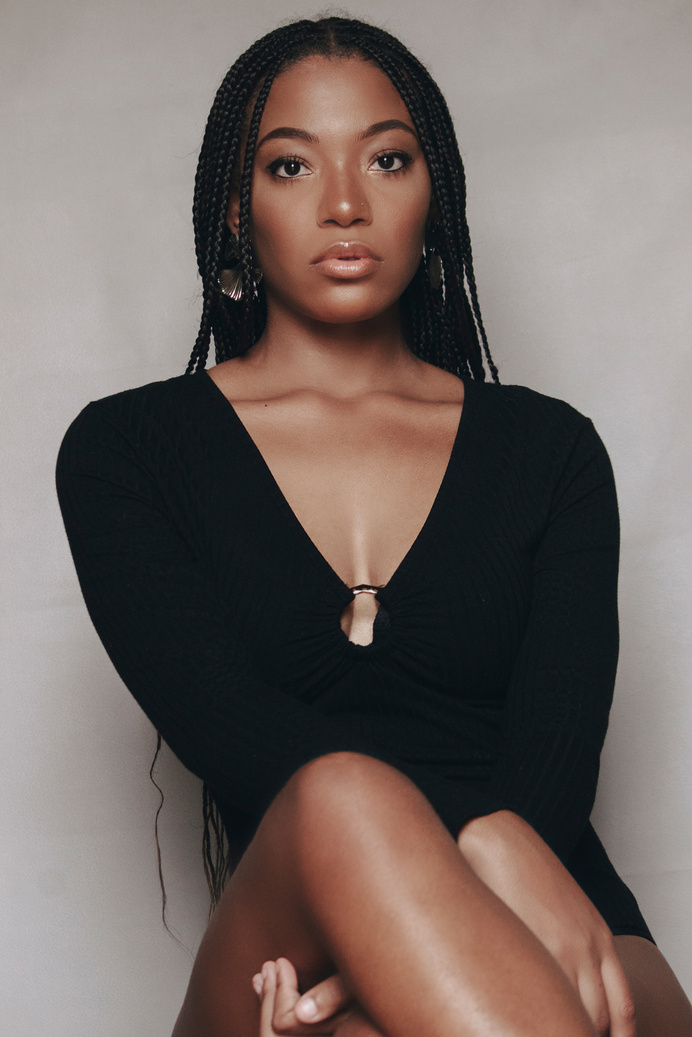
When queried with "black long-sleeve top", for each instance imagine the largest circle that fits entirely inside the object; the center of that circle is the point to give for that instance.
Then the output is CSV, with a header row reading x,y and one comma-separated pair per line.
x,y
490,675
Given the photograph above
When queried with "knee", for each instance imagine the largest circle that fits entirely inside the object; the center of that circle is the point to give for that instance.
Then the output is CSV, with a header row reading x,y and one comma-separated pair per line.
x,y
343,768
345,782
347,796
342,820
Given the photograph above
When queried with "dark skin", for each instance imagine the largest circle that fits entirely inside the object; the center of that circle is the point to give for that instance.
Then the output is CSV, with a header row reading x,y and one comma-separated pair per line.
x,y
357,432
357,429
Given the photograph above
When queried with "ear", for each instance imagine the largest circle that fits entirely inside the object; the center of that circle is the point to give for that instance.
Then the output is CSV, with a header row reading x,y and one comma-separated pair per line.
x,y
233,212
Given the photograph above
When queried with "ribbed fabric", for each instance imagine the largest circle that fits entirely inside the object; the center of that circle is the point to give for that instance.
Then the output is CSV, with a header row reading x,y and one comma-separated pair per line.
x,y
490,675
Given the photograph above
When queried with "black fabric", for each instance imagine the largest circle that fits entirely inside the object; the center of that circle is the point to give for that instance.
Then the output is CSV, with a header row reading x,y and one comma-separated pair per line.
x,y
490,675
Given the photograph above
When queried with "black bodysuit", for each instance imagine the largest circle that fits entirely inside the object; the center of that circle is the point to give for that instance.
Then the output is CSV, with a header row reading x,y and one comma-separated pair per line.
x,y
490,675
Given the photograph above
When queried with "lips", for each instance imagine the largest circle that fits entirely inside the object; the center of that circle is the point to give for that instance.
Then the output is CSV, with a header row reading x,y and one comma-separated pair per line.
x,y
347,259
346,250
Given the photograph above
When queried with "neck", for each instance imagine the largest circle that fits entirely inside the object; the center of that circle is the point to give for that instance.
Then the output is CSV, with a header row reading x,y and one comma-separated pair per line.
x,y
338,359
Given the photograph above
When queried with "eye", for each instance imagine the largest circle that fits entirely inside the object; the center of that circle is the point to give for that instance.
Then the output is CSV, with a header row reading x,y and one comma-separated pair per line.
x,y
291,166
391,161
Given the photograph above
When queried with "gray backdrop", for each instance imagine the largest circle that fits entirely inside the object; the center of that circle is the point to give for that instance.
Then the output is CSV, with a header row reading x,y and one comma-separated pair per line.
x,y
574,122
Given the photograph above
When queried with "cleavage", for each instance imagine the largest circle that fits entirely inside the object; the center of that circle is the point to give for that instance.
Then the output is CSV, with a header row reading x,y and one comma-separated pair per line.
x,y
360,485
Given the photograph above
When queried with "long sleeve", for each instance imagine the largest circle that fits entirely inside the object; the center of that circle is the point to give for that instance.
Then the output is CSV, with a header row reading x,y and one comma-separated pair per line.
x,y
489,685
170,638
559,698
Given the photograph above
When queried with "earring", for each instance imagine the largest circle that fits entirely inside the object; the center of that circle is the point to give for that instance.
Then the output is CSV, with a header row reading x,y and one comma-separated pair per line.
x,y
433,259
230,279
231,276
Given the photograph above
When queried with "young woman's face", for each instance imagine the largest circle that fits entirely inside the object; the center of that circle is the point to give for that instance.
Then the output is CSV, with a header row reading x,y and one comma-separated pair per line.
x,y
340,192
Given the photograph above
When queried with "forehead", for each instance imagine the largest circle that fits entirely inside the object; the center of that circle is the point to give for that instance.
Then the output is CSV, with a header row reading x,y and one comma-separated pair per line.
x,y
332,95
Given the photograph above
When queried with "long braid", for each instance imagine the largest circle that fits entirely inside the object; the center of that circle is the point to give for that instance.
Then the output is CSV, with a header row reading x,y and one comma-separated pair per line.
x,y
443,325
218,864
455,246
246,257
473,292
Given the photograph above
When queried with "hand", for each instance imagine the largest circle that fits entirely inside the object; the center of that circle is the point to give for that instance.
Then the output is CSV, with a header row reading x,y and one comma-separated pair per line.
x,y
516,864
320,1011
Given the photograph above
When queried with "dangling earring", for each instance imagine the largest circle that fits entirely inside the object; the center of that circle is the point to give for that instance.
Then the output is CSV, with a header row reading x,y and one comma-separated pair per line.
x,y
230,280
433,259
231,276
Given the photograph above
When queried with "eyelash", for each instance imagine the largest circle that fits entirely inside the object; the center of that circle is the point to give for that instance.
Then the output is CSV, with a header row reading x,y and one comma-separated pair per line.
x,y
284,160
403,156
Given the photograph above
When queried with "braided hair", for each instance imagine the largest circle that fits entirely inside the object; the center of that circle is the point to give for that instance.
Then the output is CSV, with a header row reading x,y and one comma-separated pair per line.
x,y
443,321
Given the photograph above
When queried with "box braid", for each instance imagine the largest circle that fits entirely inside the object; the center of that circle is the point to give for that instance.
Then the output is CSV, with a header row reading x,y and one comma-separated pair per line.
x,y
444,325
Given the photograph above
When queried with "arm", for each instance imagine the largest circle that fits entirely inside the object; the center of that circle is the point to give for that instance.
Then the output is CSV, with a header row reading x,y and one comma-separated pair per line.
x,y
518,866
556,719
562,685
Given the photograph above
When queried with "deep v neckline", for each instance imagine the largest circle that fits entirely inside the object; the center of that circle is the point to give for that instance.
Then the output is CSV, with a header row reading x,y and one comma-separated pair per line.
x,y
293,519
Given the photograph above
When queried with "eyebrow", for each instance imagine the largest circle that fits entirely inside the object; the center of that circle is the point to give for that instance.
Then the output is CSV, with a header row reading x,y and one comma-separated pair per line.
x,y
292,133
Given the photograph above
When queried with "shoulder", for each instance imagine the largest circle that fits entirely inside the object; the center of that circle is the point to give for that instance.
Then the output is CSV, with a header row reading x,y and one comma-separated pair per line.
x,y
529,418
146,425
537,438
520,404
159,400
138,413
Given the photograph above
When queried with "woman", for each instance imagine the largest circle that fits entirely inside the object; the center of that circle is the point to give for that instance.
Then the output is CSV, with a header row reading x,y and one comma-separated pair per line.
x,y
367,597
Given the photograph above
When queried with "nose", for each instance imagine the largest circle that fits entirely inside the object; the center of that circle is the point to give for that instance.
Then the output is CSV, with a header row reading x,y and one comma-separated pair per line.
x,y
344,200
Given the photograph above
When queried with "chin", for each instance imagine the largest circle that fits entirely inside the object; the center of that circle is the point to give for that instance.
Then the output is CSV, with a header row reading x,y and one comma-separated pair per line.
x,y
351,303
348,314
351,308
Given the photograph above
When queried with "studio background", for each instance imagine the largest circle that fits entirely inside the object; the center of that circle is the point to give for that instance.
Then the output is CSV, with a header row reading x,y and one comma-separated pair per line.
x,y
574,123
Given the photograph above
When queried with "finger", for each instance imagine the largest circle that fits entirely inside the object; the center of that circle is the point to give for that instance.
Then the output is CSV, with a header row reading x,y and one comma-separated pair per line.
x,y
258,983
619,996
324,1000
287,994
279,996
268,995
593,997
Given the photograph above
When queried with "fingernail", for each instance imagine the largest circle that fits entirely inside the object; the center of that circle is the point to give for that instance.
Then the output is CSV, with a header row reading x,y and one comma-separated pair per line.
x,y
258,983
307,1008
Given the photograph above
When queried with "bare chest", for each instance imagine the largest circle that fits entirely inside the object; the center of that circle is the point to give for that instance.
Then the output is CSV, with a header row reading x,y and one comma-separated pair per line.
x,y
360,479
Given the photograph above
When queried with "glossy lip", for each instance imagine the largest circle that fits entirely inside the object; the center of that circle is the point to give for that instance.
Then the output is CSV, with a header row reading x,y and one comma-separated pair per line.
x,y
347,259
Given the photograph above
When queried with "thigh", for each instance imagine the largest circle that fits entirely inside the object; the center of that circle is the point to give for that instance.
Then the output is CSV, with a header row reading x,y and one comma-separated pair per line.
x,y
351,864
662,1008
260,917
253,923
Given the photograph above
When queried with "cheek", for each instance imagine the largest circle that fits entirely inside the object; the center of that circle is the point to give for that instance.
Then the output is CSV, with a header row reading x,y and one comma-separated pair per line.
x,y
271,233
408,211
406,230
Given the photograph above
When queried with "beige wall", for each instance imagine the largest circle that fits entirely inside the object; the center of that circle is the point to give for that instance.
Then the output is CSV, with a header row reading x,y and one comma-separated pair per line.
x,y
574,122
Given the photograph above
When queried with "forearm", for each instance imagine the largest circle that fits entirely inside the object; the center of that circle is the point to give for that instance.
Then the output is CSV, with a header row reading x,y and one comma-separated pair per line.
x,y
515,863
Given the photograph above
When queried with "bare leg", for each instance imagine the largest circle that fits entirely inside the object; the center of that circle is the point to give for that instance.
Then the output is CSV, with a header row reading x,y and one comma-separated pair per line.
x,y
352,871
662,1008
279,995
